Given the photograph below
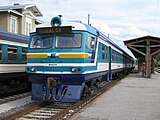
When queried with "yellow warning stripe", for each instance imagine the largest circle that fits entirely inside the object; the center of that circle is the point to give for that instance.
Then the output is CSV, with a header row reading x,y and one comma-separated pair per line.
x,y
37,56
73,56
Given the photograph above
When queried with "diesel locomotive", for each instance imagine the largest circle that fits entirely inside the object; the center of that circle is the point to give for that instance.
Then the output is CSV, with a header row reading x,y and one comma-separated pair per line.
x,y
66,60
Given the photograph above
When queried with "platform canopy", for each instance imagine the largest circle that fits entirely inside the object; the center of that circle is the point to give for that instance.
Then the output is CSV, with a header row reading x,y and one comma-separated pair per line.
x,y
144,49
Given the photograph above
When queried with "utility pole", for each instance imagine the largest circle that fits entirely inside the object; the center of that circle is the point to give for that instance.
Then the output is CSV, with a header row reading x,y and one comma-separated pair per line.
x,y
88,19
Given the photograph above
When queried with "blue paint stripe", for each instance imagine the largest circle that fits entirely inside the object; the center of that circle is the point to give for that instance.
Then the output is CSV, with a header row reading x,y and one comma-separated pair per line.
x,y
61,69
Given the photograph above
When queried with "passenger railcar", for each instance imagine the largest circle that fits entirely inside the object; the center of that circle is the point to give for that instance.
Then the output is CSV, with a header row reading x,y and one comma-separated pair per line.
x,y
67,60
13,49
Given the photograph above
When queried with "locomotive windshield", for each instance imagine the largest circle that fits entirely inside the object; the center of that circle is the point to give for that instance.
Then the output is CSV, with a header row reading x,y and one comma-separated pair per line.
x,y
68,40
41,41
62,41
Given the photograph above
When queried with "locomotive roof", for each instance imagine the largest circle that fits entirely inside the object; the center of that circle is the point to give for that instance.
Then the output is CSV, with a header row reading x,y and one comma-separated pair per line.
x,y
85,27
13,37
75,26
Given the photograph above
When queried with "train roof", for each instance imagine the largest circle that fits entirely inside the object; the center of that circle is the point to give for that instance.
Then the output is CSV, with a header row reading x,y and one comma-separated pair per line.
x,y
13,37
85,27
112,43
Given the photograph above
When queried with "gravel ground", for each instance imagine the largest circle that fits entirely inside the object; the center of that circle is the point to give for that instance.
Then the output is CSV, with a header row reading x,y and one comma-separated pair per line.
x,y
14,106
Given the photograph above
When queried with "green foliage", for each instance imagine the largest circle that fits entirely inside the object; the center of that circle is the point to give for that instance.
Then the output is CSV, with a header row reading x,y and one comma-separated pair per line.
x,y
158,58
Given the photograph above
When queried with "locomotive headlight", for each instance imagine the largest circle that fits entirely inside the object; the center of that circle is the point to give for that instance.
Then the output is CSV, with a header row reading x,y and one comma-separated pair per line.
x,y
56,21
73,69
33,69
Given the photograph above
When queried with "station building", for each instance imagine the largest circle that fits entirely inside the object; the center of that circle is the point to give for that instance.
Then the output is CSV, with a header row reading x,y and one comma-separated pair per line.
x,y
19,19
145,49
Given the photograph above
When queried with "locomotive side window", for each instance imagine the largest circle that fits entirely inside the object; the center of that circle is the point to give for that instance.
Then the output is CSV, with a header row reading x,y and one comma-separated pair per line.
x,y
91,42
12,53
68,40
41,42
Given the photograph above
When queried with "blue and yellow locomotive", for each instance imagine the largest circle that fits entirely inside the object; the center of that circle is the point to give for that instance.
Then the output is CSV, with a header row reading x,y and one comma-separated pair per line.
x,y
65,60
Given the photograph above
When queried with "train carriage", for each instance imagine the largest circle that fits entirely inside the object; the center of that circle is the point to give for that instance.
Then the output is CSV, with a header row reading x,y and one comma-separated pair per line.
x,y
13,49
66,60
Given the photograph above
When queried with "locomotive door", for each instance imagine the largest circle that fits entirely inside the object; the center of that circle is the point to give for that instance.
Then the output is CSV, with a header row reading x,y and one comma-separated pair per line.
x,y
109,64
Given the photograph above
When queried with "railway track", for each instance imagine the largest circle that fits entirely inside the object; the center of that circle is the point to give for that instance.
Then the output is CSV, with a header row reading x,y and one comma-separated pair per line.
x,y
58,110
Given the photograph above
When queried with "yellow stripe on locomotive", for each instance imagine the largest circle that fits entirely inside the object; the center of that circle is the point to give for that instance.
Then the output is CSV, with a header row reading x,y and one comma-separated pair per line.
x,y
37,56
73,56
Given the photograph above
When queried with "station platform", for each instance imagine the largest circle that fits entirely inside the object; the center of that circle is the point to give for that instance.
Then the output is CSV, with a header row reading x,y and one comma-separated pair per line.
x,y
133,98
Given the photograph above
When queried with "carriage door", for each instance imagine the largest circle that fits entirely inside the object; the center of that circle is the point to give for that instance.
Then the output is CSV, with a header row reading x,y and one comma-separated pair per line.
x,y
109,64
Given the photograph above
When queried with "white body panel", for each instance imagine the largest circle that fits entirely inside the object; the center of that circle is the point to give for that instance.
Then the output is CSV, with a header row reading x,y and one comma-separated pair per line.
x,y
13,43
102,66
75,25
12,68
117,65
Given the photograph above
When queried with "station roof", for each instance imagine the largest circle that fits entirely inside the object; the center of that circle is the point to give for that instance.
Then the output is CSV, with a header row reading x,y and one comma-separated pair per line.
x,y
138,46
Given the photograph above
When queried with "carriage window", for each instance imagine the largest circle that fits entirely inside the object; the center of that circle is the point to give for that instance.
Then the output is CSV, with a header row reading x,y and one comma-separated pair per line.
x,y
103,52
106,52
0,52
113,55
24,51
68,40
12,53
41,42
116,56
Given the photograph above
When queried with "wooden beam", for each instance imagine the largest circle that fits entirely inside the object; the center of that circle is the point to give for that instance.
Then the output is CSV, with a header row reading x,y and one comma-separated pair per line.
x,y
136,50
155,52
148,60
138,45
152,65
158,41
137,41
155,46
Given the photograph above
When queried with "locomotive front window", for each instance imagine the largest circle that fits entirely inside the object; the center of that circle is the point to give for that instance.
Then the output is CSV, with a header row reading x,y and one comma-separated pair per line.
x,y
41,41
68,40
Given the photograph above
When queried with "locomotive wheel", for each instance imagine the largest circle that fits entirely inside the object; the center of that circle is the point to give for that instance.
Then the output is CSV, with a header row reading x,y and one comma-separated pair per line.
x,y
85,92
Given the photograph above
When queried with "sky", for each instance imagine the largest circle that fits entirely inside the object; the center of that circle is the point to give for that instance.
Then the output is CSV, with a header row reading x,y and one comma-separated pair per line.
x,y
121,19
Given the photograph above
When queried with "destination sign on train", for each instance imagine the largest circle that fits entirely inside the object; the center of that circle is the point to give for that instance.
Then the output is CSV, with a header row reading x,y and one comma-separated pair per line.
x,y
48,30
